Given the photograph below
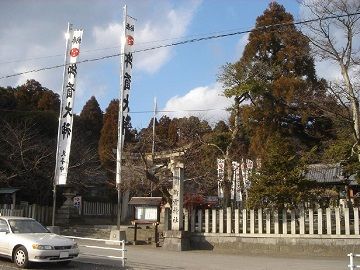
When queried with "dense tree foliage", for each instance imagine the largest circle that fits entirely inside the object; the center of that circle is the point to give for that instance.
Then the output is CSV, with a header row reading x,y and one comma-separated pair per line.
x,y
29,121
276,74
91,118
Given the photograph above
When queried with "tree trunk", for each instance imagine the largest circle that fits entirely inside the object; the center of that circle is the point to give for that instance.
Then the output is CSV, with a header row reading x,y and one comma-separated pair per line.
x,y
228,173
354,108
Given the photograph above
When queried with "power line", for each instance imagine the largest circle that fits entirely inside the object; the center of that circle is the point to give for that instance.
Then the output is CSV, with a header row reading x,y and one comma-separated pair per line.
x,y
266,27
175,111
136,112
113,47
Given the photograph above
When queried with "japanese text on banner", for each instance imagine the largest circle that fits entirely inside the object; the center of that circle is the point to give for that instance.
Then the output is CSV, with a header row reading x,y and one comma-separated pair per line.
x,y
67,105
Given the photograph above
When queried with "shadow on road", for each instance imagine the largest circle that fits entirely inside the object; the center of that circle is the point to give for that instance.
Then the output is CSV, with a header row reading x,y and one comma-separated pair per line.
x,y
150,266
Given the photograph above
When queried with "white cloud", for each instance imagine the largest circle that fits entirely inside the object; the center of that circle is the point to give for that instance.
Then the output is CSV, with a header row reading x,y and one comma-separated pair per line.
x,y
328,70
33,29
200,98
107,36
158,29
240,46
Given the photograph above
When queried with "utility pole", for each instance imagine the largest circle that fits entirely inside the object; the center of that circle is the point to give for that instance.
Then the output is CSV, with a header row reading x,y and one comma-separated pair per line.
x,y
153,140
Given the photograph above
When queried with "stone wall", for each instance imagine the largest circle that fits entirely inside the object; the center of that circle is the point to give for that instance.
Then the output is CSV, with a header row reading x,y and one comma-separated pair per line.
x,y
291,245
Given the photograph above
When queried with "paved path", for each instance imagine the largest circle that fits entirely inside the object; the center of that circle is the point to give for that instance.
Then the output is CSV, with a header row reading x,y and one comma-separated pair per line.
x,y
151,258
146,258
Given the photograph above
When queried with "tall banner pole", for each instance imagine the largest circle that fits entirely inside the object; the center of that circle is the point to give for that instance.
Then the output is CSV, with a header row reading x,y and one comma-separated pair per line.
x,y
72,51
67,37
154,120
125,85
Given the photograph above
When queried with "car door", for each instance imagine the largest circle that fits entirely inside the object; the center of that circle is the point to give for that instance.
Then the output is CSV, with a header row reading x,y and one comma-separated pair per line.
x,y
4,237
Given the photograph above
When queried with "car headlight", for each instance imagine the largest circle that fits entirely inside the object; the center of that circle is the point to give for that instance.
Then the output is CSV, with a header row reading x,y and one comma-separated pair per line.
x,y
42,247
75,245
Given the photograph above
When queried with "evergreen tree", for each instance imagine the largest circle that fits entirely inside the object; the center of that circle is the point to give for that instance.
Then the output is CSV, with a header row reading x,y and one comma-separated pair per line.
x,y
7,98
280,181
276,74
109,135
91,118
32,96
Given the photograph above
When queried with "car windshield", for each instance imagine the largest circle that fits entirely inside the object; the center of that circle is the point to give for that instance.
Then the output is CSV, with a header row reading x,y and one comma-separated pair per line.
x,y
26,226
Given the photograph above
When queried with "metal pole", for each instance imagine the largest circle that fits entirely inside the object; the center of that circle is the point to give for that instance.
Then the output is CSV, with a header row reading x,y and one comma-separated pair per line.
x,y
153,142
120,126
58,136
351,265
54,205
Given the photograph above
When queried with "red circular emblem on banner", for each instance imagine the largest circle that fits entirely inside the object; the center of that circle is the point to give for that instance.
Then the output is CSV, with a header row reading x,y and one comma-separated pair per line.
x,y
74,52
130,40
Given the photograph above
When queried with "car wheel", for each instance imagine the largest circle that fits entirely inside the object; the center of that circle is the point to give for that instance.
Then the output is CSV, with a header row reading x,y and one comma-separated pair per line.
x,y
21,258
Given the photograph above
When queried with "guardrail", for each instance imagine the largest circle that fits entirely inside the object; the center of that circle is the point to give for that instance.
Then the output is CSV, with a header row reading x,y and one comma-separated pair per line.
x,y
351,265
121,242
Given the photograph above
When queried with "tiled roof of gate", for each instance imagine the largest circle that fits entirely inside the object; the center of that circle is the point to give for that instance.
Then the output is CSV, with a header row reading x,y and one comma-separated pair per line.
x,y
324,173
8,190
155,201
327,173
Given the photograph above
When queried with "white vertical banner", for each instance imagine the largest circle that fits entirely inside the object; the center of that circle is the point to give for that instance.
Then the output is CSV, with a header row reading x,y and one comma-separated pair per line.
x,y
258,164
74,38
246,170
127,42
220,170
233,180
236,181
244,176
249,169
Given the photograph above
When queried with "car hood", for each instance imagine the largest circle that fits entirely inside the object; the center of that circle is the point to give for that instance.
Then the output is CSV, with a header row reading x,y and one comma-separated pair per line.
x,y
46,239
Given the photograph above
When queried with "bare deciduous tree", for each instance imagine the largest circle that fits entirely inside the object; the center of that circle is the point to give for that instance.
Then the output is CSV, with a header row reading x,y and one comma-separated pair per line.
x,y
335,40
26,160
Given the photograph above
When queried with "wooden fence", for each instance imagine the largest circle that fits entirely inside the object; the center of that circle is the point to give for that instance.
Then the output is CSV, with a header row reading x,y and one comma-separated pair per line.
x,y
98,209
329,221
42,214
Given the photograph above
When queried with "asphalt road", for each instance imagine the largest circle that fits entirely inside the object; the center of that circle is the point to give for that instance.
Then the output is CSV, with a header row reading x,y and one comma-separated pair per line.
x,y
151,258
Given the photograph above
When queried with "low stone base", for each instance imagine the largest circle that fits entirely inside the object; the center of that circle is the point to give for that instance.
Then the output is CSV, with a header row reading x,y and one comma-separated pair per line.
x,y
277,245
67,215
116,235
176,240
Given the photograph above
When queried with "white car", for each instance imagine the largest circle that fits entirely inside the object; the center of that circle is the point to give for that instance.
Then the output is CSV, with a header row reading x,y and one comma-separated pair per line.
x,y
25,240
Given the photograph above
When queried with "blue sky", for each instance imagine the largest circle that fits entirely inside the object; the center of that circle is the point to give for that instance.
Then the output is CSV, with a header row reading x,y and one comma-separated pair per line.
x,y
181,77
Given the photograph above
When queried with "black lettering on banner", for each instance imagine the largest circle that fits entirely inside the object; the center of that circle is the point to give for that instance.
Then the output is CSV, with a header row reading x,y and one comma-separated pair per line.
x,y
68,110
125,121
128,59
130,27
126,103
62,160
72,70
127,81
69,90
65,130
76,40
